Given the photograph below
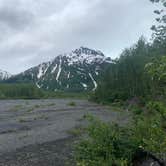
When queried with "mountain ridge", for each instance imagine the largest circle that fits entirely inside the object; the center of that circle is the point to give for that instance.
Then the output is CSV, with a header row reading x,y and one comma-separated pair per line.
x,y
78,70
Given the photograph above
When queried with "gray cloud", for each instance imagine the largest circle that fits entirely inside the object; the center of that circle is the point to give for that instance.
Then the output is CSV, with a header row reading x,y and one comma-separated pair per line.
x,y
35,31
15,19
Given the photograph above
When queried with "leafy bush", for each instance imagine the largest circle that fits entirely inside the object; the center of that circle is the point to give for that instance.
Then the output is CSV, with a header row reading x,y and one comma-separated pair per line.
x,y
110,144
151,135
107,145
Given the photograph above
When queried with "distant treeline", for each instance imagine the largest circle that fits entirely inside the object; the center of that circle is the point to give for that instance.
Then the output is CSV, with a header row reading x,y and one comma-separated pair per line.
x,y
30,91
26,91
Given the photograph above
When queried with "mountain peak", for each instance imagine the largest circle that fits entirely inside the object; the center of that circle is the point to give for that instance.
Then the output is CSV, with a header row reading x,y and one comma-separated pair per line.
x,y
84,55
87,51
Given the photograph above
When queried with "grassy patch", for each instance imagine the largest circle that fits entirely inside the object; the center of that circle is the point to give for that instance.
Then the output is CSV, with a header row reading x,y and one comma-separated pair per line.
x,y
16,108
37,106
78,131
116,108
22,120
72,103
51,104
60,94
30,109
40,117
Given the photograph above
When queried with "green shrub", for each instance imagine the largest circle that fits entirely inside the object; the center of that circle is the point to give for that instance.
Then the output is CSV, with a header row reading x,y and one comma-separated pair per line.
x,y
107,145
110,144
151,135
136,110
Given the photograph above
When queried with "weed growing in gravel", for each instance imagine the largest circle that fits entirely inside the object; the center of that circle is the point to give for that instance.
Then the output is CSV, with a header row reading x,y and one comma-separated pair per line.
x,y
40,117
78,131
16,108
37,106
27,102
51,104
21,120
72,103
30,109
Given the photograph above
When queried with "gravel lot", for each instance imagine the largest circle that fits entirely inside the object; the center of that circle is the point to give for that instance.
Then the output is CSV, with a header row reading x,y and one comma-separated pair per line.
x,y
36,132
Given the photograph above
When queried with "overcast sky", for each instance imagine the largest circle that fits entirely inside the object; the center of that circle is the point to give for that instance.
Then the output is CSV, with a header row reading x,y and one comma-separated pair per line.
x,y
33,31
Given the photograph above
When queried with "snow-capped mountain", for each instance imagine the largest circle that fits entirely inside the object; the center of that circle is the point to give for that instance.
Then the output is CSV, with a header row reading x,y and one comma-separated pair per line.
x,y
75,71
4,75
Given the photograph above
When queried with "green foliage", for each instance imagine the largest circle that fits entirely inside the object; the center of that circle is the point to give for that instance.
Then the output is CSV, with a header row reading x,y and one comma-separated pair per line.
x,y
158,109
27,91
157,69
106,146
157,72
110,144
151,135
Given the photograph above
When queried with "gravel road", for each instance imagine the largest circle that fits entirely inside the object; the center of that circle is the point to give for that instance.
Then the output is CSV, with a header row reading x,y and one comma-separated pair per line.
x,y
36,132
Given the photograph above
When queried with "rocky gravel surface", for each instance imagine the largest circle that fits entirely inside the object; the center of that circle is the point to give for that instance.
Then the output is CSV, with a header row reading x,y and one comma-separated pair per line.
x,y
36,132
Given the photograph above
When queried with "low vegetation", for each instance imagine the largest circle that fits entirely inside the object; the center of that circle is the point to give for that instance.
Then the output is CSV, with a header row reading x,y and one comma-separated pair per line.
x,y
16,108
76,132
110,144
72,103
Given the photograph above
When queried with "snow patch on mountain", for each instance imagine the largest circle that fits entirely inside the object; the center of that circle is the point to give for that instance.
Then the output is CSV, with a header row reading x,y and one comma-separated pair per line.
x,y
97,73
42,69
84,85
94,82
38,85
59,71
68,76
53,70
